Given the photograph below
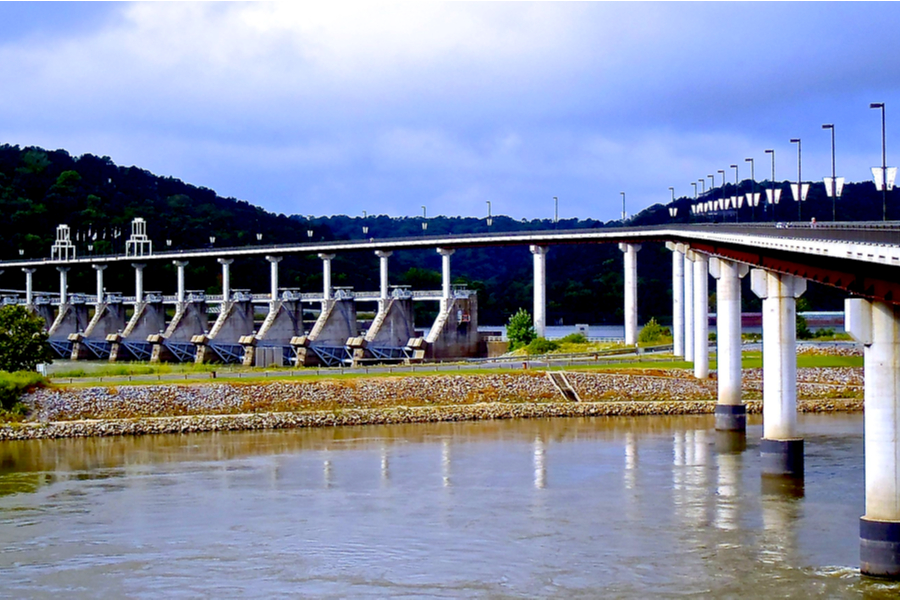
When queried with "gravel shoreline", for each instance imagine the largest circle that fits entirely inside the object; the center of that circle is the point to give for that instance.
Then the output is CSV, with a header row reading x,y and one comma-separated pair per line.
x,y
141,410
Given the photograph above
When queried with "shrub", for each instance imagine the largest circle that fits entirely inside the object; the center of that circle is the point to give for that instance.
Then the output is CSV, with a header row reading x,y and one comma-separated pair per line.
x,y
13,385
653,333
803,332
520,331
23,341
574,338
540,346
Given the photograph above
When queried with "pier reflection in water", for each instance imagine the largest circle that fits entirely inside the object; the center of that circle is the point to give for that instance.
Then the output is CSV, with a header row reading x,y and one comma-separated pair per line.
x,y
628,507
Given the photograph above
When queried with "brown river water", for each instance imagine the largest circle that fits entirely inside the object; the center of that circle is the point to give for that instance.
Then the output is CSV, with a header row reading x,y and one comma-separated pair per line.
x,y
570,508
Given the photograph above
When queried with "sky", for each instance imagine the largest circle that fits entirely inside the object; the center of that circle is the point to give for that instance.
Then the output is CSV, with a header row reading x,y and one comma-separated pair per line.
x,y
339,108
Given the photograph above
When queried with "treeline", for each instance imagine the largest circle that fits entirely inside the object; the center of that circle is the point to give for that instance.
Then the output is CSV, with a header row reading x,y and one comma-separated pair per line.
x,y
40,189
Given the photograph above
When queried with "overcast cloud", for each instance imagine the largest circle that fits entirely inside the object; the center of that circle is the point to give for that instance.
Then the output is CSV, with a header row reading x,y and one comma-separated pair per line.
x,y
315,109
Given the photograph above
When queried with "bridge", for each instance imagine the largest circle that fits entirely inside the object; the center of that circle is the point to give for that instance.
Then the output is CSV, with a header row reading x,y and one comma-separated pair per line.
x,y
862,259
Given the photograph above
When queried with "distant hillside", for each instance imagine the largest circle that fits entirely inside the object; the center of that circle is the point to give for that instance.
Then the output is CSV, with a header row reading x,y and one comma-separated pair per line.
x,y
40,189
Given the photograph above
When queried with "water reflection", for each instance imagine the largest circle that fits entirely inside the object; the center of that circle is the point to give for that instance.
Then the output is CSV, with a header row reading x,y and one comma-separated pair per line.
x,y
630,508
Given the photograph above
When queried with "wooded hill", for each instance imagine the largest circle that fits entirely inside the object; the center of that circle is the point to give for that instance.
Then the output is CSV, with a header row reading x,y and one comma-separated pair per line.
x,y
40,189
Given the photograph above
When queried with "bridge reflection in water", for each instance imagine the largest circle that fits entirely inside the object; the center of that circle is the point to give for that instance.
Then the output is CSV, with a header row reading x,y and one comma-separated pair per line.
x,y
630,507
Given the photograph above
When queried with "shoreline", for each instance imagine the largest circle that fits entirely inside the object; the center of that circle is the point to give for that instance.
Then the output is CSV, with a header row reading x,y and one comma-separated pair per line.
x,y
145,410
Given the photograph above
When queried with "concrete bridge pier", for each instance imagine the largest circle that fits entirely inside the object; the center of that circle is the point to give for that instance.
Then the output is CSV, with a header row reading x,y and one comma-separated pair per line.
x,y
701,314
327,342
540,289
149,318
781,448
454,333
283,323
688,305
876,325
731,413
108,319
631,310
174,343
677,297
234,323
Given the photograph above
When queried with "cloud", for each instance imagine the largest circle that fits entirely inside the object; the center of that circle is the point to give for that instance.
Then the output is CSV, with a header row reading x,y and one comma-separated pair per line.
x,y
339,105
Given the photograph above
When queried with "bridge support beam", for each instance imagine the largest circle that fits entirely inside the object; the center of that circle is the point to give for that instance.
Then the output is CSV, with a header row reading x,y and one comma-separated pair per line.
x,y
540,289
273,276
446,296
180,264
781,448
29,286
226,278
631,310
688,305
100,295
701,314
677,297
138,282
731,413
876,325
383,256
63,286
326,275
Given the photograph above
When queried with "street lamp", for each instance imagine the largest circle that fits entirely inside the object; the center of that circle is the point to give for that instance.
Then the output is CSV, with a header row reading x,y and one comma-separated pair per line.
x,y
671,189
832,186
694,184
773,195
623,207
555,209
884,173
702,186
489,219
736,200
798,194
424,216
753,196
722,199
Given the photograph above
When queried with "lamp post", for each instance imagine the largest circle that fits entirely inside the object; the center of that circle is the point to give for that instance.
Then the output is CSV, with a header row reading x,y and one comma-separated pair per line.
x,y
490,220
736,199
424,221
671,189
722,200
799,197
772,199
880,105
832,187
702,182
555,209
694,184
753,198
623,207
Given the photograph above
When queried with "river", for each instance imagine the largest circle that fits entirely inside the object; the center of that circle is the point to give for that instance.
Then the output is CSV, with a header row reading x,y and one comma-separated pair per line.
x,y
574,508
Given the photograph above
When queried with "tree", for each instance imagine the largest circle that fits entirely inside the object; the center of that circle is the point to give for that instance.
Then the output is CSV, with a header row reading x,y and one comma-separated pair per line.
x,y
23,341
520,331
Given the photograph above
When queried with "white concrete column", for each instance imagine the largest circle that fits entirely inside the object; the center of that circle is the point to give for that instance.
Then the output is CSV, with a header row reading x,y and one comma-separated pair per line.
x,y
540,289
138,281
383,256
273,276
731,414
688,306
63,285
876,325
781,449
226,277
445,253
99,269
701,314
29,286
677,297
631,311
181,264
326,275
